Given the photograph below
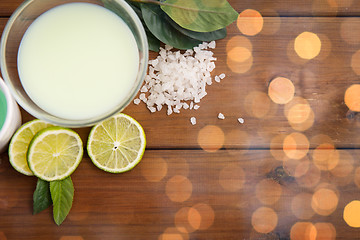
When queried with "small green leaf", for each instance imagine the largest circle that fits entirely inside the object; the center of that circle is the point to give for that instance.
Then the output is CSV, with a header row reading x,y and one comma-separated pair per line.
x,y
41,197
62,194
200,15
156,22
202,36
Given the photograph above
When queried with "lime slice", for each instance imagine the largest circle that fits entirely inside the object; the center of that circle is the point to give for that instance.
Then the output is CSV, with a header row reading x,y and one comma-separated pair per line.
x,y
54,153
117,144
20,142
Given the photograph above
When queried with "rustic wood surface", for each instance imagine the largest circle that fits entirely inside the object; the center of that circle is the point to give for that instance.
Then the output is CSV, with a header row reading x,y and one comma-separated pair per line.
x,y
268,178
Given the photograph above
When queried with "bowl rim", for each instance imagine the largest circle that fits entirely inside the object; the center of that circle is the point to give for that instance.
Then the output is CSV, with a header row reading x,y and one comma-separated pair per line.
x,y
143,63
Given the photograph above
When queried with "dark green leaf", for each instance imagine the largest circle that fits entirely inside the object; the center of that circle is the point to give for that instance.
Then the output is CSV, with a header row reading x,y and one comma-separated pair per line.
x,y
156,22
200,15
202,36
41,197
153,42
62,194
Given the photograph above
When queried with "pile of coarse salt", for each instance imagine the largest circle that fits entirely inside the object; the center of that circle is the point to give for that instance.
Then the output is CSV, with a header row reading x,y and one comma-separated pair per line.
x,y
178,80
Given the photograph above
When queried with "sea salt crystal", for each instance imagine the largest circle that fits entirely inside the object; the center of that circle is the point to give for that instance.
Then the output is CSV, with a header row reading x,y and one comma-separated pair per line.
x,y
212,44
241,120
175,78
193,120
221,116
222,76
137,101
217,79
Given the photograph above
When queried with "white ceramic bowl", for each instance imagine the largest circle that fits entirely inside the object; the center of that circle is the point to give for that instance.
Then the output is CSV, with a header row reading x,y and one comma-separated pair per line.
x,y
12,120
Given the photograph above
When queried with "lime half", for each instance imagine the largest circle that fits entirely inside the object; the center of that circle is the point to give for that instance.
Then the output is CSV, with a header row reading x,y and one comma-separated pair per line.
x,y
117,144
54,153
20,142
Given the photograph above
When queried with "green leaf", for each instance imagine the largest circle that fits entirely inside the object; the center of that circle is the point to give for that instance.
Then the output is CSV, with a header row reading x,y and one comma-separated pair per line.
x,y
155,20
62,194
41,197
153,42
200,15
202,36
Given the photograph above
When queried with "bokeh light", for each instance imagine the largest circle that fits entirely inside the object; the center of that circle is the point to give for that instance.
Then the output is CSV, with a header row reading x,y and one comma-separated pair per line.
x,y
206,219
324,8
2,236
307,45
250,22
172,233
71,238
154,169
325,156
345,165
325,231
178,188
344,3
182,219
321,139
271,24
239,41
276,147
268,191
297,167
240,67
355,62
301,206
303,231
357,177
264,220
324,201
257,104
296,145
299,114
239,54
350,30
352,97
352,214
232,177
311,178
211,138
281,90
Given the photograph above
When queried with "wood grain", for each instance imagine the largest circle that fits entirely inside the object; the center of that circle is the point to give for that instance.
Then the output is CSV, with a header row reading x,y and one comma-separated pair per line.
x,y
131,206
267,7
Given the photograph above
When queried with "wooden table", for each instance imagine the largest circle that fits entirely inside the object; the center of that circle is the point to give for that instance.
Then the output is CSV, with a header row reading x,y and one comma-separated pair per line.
x,y
287,172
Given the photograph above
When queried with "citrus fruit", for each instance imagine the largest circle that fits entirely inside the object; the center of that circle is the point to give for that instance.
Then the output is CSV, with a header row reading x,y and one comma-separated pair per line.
x,y
54,153
117,144
20,142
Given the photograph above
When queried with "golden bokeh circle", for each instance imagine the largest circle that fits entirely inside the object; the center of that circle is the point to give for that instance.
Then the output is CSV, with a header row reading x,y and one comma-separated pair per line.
x,y
250,22
352,97
307,45
352,214
232,177
264,220
281,90
303,231
268,191
211,138
178,188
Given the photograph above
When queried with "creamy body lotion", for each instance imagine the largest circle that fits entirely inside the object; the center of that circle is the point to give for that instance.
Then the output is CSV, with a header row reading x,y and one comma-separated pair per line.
x,y
78,61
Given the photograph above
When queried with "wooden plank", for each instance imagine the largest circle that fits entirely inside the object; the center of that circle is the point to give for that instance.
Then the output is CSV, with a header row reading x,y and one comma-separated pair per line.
x,y
223,191
322,82
266,7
